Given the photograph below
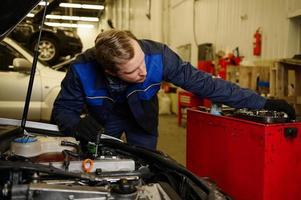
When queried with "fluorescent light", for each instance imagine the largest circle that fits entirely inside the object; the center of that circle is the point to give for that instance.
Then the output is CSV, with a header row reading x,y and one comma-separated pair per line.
x,y
70,25
30,15
77,5
97,7
66,17
42,3
85,6
77,18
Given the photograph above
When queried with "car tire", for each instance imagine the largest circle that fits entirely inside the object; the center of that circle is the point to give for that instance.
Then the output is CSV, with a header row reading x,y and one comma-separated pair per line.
x,y
48,50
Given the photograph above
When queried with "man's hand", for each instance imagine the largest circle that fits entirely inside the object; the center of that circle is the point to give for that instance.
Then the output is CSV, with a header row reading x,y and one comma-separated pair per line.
x,y
88,129
281,106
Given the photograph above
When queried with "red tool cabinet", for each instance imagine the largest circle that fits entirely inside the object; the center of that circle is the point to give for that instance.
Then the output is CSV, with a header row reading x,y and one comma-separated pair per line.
x,y
247,160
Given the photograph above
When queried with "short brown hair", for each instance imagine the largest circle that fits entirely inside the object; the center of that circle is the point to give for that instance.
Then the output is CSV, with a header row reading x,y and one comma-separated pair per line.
x,y
114,47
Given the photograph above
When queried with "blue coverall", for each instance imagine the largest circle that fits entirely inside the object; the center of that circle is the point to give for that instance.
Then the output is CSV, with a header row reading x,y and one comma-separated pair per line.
x,y
134,108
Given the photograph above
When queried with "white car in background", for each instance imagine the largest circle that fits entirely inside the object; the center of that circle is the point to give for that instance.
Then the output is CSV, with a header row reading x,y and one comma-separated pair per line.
x,y
15,66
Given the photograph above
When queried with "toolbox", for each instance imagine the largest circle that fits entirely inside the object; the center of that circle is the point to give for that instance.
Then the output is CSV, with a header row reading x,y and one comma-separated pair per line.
x,y
246,159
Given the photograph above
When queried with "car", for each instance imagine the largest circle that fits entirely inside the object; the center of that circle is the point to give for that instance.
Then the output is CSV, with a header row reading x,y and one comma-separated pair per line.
x,y
55,42
15,66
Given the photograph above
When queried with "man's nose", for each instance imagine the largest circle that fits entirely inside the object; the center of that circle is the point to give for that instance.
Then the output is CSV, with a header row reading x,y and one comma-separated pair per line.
x,y
143,71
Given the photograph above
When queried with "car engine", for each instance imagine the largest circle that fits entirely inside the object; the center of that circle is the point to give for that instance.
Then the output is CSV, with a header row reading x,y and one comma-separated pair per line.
x,y
54,168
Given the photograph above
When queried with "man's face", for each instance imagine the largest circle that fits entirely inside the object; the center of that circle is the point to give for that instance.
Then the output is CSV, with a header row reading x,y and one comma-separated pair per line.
x,y
134,70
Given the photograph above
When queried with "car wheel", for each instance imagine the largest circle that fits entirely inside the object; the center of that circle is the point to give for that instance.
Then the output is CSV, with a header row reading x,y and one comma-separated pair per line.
x,y
48,50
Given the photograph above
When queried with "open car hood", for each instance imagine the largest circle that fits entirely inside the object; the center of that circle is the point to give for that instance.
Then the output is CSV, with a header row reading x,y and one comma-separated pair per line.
x,y
12,12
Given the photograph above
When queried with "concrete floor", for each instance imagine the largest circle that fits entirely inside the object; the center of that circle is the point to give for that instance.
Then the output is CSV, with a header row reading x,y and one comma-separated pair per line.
x,y
172,138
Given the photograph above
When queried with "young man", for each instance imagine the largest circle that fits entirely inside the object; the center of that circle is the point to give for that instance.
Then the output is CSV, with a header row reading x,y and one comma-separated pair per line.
x,y
118,80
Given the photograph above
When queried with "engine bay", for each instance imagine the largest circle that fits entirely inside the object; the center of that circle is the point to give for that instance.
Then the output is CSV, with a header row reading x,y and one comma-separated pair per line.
x,y
43,164
54,168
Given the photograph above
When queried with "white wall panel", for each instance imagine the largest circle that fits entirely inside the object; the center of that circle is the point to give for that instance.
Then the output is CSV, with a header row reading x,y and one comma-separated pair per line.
x,y
206,21
88,36
157,20
181,23
181,26
139,24
294,8
231,23
225,23
125,14
132,15
119,13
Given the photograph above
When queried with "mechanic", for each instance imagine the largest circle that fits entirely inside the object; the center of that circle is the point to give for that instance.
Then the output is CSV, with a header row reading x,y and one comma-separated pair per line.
x,y
117,82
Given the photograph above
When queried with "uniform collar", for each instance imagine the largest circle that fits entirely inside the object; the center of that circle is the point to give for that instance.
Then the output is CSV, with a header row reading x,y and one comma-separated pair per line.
x,y
116,84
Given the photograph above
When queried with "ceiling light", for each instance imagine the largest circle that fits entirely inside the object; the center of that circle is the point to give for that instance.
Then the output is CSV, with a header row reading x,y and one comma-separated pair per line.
x,y
66,17
30,15
85,6
77,18
70,25
42,3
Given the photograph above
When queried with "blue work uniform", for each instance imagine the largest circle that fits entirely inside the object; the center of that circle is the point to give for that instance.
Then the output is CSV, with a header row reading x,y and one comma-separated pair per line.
x,y
133,108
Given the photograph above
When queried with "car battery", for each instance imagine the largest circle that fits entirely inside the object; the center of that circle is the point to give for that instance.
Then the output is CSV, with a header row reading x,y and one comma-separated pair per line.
x,y
248,160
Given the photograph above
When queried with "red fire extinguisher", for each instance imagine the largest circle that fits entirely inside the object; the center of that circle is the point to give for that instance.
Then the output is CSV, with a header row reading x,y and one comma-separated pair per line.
x,y
257,43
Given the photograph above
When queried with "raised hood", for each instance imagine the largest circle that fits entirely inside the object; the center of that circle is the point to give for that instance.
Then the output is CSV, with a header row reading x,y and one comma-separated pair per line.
x,y
12,12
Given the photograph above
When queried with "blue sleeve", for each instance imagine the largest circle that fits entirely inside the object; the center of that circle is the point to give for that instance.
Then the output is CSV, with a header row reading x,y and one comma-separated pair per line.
x,y
202,84
69,103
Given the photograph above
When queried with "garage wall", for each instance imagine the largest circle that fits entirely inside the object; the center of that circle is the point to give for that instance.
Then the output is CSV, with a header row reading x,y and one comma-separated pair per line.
x,y
88,35
231,23
143,17
181,26
294,8
225,23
